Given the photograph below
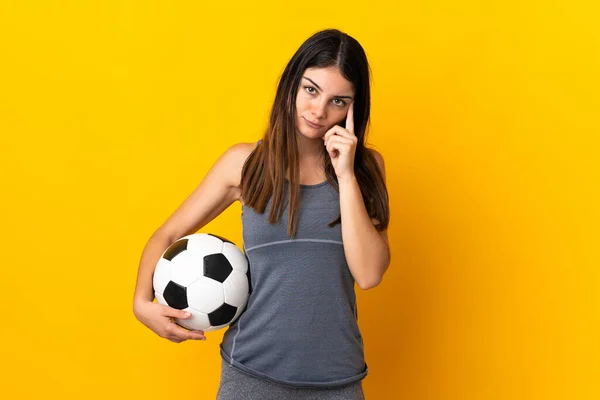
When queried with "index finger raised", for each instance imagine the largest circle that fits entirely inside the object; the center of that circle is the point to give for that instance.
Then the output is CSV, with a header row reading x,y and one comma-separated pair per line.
x,y
350,118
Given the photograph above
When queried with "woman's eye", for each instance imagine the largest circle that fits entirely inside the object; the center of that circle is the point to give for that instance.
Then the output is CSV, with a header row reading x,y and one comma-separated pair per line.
x,y
312,90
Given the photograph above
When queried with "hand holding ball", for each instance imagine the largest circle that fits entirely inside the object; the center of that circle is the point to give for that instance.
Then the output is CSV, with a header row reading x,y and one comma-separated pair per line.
x,y
205,275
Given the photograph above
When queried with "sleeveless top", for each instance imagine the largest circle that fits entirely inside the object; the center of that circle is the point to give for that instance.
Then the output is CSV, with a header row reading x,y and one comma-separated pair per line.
x,y
300,325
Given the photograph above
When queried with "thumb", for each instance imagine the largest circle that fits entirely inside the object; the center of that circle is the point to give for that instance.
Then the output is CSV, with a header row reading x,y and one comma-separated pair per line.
x,y
175,313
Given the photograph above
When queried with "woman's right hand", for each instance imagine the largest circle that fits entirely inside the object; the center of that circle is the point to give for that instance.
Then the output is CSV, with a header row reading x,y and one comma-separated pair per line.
x,y
158,318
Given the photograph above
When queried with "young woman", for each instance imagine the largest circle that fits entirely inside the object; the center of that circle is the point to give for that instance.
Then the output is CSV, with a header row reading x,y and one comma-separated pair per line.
x,y
315,212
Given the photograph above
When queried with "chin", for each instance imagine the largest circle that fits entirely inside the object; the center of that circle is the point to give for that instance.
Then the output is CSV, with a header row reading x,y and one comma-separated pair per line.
x,y
310,136
308,132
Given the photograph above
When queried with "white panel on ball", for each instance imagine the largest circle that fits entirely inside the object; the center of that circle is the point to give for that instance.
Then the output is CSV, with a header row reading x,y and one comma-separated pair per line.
x,y
187,266
236,257
161,275
160,299
236,288
214,328
207,243
198,320
205,295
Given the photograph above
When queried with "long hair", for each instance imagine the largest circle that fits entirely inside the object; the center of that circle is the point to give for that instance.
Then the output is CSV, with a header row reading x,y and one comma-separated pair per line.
x,y
264,171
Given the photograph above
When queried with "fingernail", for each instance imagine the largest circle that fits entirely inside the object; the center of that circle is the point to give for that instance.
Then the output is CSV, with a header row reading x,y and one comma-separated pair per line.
x,y
187,314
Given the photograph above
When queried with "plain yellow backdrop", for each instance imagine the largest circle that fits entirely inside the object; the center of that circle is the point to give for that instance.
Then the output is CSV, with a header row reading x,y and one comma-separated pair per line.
x,y
486,113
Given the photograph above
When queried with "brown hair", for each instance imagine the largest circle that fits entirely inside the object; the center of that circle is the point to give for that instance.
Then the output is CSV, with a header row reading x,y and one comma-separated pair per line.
x,y
264,172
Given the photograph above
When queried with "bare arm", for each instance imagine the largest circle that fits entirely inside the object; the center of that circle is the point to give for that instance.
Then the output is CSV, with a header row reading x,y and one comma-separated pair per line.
x,y
217,191
144,291
367,250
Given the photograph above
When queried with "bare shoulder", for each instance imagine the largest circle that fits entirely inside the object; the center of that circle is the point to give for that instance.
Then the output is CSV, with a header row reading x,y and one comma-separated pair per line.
x,y
237,155
218,189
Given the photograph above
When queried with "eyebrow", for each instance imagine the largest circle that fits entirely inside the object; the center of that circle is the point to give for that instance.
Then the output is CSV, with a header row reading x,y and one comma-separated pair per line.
x,y
314,83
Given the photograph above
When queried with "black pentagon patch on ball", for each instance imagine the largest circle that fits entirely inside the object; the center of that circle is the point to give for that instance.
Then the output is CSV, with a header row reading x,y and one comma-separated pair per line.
x,y
175,249
220,237
175,295
222,315
217,267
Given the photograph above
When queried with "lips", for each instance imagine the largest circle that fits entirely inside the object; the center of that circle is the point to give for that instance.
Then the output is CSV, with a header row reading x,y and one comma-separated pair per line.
x,y
312,124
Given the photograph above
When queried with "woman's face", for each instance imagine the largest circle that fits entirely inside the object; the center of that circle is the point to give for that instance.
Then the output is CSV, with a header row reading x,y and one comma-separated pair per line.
x,y
323,99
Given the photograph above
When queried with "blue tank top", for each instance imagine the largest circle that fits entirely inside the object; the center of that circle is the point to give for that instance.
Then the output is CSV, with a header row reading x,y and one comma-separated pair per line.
x,y
300,325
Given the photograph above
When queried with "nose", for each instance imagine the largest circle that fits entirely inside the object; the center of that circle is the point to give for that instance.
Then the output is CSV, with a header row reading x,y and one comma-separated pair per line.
x,y
319,109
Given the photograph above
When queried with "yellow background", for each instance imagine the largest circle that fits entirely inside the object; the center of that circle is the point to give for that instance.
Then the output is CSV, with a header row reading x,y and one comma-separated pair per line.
x,y
486,113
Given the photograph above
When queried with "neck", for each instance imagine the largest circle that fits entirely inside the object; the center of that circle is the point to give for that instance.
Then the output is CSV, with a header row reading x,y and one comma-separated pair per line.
x,y
309,150
310,161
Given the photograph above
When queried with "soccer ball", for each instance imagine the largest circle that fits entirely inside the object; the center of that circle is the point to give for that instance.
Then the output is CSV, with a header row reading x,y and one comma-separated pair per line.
x,y
206,275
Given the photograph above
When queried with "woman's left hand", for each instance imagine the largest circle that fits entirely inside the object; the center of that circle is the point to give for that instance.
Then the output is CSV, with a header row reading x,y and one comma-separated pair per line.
x,y
341,146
